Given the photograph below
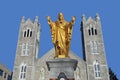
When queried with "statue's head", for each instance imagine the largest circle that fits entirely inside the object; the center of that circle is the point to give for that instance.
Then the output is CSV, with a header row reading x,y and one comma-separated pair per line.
x,y
60,16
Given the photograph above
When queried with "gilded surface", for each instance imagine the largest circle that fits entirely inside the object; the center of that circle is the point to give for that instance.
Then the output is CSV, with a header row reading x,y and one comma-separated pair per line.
x,y
61,31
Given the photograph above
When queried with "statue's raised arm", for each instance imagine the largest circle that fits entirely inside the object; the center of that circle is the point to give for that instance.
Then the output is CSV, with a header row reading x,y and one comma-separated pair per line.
x,y
52,29
72,21
49,20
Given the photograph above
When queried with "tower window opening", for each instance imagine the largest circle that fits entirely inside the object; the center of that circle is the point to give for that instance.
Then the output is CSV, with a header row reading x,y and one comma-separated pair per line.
x,y
25,34
89,31
28,32
92,31
95,31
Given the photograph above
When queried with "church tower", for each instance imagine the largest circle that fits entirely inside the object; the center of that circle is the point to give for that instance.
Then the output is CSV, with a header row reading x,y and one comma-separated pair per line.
x,y
93,49
27,50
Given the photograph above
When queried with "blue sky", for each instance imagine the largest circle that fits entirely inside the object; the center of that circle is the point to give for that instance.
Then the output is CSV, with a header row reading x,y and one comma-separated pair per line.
x,y
11,12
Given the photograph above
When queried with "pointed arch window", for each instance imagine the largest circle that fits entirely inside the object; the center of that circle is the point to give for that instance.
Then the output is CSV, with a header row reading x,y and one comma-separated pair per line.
x,y
24,33
97,72
95,31
89,31
23,69
30,33
77,74
92,30
27,33
24,49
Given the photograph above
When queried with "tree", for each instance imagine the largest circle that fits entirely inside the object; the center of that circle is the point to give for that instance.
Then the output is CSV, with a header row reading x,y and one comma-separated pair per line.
x,y
112,75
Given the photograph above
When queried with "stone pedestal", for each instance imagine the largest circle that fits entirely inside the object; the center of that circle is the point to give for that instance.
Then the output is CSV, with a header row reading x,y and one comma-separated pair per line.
x,y
62,68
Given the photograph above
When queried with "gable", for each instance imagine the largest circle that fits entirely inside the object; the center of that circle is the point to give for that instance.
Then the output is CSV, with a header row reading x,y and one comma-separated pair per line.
x,y
41,64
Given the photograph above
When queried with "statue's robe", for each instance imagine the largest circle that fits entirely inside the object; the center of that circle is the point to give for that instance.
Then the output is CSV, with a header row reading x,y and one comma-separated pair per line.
x,y
61,36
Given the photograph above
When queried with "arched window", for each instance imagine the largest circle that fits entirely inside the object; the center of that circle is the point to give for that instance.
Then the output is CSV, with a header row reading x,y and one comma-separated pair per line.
x,y
23,69
95,31
92,30
28,32
24,33
77,74
89,31
42,74
24,49
97,72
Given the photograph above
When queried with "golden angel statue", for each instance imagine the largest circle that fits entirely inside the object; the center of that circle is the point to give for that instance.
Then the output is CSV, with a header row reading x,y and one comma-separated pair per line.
x,y
61,32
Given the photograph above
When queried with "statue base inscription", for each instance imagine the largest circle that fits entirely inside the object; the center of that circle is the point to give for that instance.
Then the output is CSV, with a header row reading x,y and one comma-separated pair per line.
x,y
62,68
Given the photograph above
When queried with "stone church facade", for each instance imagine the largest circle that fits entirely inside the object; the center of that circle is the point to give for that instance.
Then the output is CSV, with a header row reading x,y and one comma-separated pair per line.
x,y
28,66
